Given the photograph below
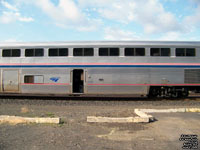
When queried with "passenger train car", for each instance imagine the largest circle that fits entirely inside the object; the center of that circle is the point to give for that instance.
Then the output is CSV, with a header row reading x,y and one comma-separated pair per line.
x,y
100,68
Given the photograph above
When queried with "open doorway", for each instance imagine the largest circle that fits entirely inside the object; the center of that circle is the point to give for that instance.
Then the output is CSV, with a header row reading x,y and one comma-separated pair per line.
x,y
78,80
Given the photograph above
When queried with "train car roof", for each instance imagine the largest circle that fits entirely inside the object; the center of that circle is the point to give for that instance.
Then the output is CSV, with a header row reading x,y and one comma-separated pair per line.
x,y
100,43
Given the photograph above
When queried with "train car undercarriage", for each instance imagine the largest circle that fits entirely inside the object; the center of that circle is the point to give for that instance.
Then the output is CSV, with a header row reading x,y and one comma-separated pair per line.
x,y
172,91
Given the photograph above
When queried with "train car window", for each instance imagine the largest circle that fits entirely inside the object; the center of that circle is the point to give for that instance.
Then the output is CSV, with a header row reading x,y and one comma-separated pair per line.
x,y
34,52
139,51
155,51
33,79
29,52
185,52
6,53
108,51
129,52
58,52
78,52
165,51
11,53
63,51
103,51
160,51
114,52
190,51
88,52
39,52
83,52
134,51
53,52
28,79
38,79
180,52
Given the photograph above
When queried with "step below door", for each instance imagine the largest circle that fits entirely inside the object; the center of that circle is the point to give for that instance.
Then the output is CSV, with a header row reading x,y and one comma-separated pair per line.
x,y
10,80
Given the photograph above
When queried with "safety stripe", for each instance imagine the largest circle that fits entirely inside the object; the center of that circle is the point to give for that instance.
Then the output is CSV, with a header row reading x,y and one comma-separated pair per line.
x,y
114,84
44,83
146,84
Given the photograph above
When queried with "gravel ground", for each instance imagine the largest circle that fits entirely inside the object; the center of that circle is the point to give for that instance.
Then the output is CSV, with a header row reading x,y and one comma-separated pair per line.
x,y
75,133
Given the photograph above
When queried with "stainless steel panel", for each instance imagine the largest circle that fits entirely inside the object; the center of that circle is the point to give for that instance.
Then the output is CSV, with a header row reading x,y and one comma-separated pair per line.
x,y
45,89
118,90
10,81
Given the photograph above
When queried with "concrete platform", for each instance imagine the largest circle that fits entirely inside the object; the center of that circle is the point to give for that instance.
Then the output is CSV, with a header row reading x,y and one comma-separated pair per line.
x,y
18,120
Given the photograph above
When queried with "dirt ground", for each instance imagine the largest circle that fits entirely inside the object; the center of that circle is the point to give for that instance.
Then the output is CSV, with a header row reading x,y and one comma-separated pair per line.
x,y
75,133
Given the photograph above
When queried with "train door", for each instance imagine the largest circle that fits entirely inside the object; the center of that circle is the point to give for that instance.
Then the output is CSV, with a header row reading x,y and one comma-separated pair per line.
x,y
10,80
78,81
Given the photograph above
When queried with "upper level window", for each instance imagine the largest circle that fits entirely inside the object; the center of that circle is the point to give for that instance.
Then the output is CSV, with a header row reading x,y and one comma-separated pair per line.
x,y
185,51
83,52
160,51
11,53
134,51
58,52
34,52
108,51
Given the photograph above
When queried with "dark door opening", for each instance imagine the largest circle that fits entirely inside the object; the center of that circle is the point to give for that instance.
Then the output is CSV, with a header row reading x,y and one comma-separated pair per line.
x,y
78,79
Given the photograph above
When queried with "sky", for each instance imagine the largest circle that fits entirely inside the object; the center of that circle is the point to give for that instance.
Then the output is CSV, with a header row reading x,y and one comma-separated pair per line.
x,y
94,20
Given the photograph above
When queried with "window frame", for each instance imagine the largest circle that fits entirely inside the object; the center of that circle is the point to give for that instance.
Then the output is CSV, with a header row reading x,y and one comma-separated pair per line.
x,y
83,51
134,51
11,52
185,52
34,52
109,51
33,77
160,52
58,52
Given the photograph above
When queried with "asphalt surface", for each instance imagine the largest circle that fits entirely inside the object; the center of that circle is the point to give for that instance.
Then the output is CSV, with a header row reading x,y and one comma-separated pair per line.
x,y
75,133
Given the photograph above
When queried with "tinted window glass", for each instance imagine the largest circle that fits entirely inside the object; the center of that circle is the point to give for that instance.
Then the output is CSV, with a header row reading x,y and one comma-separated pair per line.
x,y
114,52
53,52
180,52
88,52
103,51
28,79
78,51
129,51
139,51
165,51
63,52
155,52
16,53
39,52
190,52
6,53
58,52
29,52
11,53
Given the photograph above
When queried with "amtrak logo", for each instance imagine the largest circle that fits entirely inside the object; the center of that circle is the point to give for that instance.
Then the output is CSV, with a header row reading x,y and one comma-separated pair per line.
x,y
55,79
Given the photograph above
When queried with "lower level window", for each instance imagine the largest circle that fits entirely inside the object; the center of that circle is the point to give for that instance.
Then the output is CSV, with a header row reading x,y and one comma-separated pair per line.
x,y
33,79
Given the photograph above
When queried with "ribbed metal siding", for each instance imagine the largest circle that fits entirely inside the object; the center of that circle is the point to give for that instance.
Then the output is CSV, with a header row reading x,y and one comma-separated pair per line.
x,y
192,75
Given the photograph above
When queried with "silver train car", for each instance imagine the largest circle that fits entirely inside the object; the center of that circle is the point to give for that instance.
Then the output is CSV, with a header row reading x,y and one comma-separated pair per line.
x,y
170,69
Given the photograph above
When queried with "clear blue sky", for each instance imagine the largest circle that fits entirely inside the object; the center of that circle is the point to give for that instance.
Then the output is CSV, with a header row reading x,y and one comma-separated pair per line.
x,y
75,20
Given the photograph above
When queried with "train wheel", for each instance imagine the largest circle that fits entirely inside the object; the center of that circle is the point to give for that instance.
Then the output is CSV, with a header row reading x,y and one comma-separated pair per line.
x,y
184,94
153,93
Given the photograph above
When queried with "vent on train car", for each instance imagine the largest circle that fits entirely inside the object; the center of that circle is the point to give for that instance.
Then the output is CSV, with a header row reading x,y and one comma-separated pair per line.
x,y
192,75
